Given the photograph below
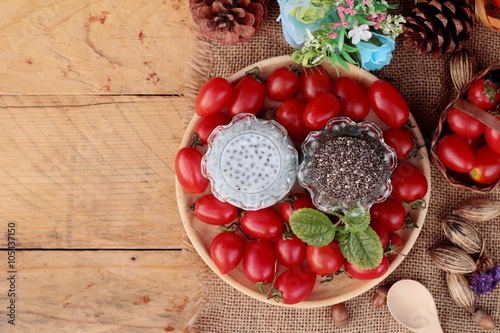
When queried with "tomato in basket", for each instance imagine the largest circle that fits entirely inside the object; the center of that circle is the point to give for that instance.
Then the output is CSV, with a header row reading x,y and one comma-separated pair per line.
x,y
486,168
455,153
463,124
492,137
484,94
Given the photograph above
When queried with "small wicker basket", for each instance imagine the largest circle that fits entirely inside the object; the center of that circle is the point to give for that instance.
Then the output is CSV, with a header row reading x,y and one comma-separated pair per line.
x,y
456,179
488,12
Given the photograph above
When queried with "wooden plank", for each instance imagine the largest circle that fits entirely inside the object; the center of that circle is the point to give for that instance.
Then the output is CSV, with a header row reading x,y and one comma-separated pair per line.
x,y
99,291
91,171
103,47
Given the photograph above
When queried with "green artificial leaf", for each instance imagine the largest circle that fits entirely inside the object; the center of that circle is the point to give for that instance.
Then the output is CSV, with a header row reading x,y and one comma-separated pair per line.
x,y
357,219
362,249
312,227
349,48
348,58
342,62
340,39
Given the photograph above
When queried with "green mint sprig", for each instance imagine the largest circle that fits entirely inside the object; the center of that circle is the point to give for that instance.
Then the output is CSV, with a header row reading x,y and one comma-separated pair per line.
x,y
358,242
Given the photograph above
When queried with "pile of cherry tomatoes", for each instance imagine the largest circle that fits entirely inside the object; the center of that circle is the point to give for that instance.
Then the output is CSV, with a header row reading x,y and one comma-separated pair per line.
x,y
470,150
261,241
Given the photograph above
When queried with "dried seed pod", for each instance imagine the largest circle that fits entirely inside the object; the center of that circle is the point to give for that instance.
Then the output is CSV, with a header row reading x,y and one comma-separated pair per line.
x,y
463,234
484,320
478,210
460,291
340,315
452,259
380,296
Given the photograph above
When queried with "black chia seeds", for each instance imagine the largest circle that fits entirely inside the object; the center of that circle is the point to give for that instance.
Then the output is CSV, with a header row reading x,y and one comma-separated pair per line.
x,y
347,168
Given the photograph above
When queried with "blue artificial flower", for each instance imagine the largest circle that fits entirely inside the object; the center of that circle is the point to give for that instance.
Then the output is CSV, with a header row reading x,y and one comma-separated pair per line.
x,y
295,32
484,282
375,57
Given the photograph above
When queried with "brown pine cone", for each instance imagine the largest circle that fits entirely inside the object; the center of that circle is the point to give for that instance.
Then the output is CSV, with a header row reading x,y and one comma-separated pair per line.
x,y
229,21
438,27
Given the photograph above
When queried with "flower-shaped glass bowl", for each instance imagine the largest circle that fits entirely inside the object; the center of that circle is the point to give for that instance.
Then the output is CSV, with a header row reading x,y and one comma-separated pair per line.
x,y
251,163
346,165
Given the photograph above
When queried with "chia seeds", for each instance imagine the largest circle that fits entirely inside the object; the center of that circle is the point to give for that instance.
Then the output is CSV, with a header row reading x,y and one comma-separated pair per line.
x,y
347,168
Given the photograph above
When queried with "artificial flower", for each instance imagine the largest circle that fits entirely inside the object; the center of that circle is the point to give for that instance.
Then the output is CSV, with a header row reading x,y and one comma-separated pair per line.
x,y
485,282
356,34
375,57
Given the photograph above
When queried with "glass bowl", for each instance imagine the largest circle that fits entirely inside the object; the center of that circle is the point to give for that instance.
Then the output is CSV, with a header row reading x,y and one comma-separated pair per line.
x,y
251,163
346,165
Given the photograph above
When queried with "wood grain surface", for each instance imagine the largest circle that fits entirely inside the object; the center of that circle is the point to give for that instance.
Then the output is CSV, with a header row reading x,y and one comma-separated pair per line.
x,y
92,114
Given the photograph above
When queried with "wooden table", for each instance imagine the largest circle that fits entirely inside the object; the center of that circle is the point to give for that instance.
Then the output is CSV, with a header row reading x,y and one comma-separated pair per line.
x,y
92,113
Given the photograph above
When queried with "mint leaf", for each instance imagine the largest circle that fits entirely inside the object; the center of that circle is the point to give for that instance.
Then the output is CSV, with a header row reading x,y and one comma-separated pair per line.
x,y
362,249
312,227
357,219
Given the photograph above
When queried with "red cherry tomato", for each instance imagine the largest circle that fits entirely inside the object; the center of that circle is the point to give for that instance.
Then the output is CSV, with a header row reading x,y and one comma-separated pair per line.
x,y
264,223
283,83
391,213
367,274
258,261
248,96
492,138
463,124
207,124
484,94
315,80
408,182
211,210
290,252
388,103
455,153
475,142
213,96
319,110
294,202
403,142
226,251
326,259
353,98
295,284
486,168
188,170
289,115
381,231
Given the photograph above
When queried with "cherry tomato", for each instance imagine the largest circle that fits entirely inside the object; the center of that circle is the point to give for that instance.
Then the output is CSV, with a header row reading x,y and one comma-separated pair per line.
x,y
326,259
367,274
486,168
455,153
388,103
492,138
226,251
353,98
484,94
391,213
283,83
463,124
213,96
207,124
290,252
211,210
295,284
403,142
408,182
475,142
381,231
289,115
294,202
258,261
264,223
248,96
319,110
315,80
188,170
395,245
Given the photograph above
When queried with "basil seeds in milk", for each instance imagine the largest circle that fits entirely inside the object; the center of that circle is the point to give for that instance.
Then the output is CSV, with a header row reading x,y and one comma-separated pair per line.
x,y
250,162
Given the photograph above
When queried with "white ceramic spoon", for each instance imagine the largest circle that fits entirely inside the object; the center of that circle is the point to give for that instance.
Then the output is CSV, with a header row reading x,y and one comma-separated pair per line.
x,y
413,306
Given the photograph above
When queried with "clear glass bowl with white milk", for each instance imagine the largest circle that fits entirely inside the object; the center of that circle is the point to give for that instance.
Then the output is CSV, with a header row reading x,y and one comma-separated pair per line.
x,y
251,163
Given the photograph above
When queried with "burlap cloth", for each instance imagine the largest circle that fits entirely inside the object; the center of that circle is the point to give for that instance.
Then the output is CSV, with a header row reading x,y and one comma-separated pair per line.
x,y
425,82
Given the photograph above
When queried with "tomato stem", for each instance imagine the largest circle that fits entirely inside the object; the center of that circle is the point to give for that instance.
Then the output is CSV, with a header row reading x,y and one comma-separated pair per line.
x,y
255,73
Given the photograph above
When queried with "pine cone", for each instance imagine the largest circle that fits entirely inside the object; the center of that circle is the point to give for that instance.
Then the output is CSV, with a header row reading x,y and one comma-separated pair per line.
x,y
438,27
229,21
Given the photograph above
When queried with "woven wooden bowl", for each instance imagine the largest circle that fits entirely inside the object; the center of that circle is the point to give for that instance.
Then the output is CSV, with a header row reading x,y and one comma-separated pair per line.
x,y
342,287
460,180
488,12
